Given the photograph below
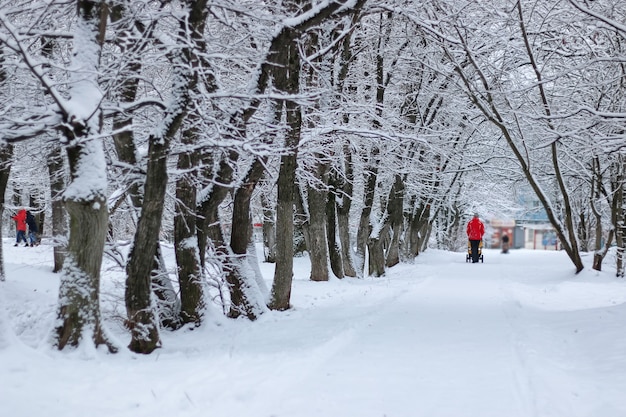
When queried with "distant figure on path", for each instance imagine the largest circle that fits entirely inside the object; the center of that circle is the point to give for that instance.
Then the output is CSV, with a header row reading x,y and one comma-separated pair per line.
x,y
20,223
475,232
505,244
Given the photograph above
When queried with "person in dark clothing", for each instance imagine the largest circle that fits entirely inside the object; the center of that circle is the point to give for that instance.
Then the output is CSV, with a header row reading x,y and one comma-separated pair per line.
x,y
475,232
505,244
33,229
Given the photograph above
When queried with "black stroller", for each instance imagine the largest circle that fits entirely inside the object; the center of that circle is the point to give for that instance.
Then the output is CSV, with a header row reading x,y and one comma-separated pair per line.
x,y
468,258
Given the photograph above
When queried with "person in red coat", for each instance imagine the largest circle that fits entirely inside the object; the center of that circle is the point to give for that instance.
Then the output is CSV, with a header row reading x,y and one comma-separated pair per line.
x,y
475,232
20,221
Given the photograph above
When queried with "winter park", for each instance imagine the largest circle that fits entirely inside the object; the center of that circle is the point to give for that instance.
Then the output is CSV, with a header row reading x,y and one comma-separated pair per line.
x,y
304,208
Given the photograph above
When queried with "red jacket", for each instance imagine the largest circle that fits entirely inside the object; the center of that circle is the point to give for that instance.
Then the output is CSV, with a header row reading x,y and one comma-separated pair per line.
x,y
475,229
20,219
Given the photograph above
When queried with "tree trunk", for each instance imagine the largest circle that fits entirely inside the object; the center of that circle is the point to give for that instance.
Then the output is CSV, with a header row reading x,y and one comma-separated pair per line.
x,y
168,305
334,252
619,217
245,295
6,157
412,239
283,275
269,229
287,79
142,320
200,80
190,277
396,220
301,233
601,248
78,313
376,252
318,244
365,227
79,294
343,214
56,172
209,225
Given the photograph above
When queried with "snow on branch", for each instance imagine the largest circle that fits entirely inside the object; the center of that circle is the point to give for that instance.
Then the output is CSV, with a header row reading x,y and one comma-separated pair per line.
x,y
620,27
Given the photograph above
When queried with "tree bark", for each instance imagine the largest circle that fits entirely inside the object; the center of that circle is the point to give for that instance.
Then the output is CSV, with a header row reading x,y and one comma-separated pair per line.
x,y
79,294
375,246
287,80
394,208
365,227
334,251
6,156
246,297
345,191
209,224
78,312
142,320
619,217
283,275
318,242
190,277
269,229
199,81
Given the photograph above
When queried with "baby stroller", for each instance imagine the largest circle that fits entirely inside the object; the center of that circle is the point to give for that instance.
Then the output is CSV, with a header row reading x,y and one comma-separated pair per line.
x,y
468,258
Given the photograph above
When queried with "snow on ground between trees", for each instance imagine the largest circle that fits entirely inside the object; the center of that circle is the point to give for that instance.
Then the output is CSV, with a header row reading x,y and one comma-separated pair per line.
x,y
517,335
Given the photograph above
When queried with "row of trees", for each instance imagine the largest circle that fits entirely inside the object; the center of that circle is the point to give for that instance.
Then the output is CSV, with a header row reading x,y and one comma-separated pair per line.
x,y
363,130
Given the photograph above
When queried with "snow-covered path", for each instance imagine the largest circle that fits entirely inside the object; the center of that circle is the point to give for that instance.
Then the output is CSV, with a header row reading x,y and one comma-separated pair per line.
x,y
442,346
517,336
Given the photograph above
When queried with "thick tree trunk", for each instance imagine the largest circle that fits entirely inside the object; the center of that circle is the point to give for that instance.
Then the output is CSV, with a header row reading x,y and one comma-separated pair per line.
x,y
423,228
78,314
287,79
79,294
318,244
190,277
345,187
245,295
343,214
140,265
334,251
365,227
412,246
208,220
375,246
6,156
168,305
601,248
199,79
283,275
142,319
396,220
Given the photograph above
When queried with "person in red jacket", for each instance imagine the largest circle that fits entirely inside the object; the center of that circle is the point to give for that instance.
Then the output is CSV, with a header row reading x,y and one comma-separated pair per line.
x,y
475,232
20,220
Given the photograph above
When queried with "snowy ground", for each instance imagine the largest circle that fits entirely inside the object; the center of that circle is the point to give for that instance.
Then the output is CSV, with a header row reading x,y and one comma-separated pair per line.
x,y
519,335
